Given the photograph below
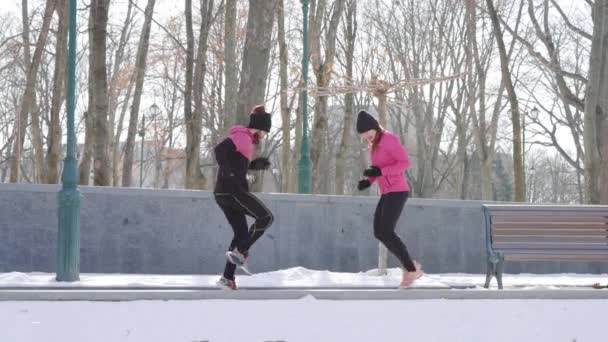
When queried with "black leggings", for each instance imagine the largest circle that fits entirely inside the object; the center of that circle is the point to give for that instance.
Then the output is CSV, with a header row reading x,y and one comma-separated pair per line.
x,y
385,220
235,207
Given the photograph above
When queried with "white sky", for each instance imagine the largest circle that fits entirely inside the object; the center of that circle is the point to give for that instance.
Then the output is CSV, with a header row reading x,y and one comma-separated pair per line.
x,y
167,8
176,5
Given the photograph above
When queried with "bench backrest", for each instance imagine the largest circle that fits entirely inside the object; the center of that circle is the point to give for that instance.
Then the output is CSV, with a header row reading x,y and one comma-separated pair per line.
x,y
535,230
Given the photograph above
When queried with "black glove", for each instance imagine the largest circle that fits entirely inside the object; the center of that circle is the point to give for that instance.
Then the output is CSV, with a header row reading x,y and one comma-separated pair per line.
x,y
372,171
259,164
364,184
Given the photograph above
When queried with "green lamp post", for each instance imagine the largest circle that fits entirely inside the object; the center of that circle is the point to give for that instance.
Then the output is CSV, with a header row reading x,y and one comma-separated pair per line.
x,y
305,164
68,240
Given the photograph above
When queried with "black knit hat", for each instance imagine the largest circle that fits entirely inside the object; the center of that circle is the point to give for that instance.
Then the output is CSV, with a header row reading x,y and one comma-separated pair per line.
x,y
365,122
259,119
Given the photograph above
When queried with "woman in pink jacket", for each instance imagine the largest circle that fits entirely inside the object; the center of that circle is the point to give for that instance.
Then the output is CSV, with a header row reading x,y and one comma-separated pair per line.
x,y
389,162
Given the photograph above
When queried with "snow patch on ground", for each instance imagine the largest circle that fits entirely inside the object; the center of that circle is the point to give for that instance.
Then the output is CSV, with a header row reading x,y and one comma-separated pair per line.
x,y
302,277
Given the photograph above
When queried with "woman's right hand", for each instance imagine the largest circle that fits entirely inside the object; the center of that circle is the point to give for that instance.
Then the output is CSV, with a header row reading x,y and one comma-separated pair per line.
x,y
363,184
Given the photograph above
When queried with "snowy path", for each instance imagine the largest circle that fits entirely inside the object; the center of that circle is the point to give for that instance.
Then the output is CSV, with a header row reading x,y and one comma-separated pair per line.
x,y
300,277
306,320
309,319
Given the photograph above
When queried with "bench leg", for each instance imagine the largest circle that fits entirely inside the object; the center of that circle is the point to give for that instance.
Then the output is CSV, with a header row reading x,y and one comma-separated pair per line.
x,y
500,266
490,272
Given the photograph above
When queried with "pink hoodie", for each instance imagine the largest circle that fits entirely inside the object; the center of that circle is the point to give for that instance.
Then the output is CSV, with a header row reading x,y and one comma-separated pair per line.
x,y
391,157
243,140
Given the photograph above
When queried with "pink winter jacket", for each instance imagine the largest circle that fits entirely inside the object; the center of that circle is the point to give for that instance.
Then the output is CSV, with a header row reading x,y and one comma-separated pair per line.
x,y
242,140
391,157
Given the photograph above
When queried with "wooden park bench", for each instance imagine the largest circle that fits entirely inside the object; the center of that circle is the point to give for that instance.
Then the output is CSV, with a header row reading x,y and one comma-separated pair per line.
x,y
544,233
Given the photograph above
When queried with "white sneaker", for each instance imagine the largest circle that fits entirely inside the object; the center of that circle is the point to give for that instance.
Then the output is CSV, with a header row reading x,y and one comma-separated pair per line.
x,y
236,257
226,283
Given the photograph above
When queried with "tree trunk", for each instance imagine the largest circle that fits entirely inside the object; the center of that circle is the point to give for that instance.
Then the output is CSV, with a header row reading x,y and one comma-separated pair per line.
x,y
349,98
27,102
462,128
21,121
54,144
140,73
190,158
596,110
114,93
36,131
471,65
169,165
484,129
87,149
195,74
293,179
194,176
256,55
323,69
116,144
518,169
287,167
101,158
230,65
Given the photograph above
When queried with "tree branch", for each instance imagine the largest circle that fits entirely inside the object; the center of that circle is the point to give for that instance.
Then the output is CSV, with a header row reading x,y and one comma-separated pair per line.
x,y
569,24
539,56
161,26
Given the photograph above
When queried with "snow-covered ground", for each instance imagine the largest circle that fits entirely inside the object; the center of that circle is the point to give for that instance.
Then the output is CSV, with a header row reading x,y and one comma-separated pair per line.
x,y
302,277
307,319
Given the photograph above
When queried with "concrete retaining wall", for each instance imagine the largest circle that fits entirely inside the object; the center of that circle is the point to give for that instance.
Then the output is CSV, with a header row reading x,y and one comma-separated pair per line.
x,y
182,232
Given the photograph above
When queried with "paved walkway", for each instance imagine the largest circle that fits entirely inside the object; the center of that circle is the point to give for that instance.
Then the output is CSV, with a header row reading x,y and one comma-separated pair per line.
x,y
125,294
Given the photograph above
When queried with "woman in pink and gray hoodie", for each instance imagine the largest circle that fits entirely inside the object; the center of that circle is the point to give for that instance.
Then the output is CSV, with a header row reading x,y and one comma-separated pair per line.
x,y
389,162
234,157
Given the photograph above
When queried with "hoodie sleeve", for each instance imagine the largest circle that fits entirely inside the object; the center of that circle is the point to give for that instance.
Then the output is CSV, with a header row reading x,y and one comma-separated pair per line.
x,y
398,153
242,143
222,153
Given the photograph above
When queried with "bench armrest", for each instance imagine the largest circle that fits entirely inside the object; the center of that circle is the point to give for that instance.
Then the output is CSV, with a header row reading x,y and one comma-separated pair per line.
x,y
488,229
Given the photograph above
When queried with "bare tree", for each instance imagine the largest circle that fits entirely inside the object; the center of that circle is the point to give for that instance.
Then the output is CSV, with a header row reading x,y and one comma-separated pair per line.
x,y
101,158
27,102
416,36
350,33
322,56
596,109
194,176
192,166
256,55
287,167
88,115
54,143
567,84
115,87
484,128
230,99
141,63
195,179
555,180
518,168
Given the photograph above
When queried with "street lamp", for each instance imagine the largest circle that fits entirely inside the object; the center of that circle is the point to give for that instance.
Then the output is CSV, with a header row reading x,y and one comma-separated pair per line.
x,y
152,113
68,199
305,164
534,115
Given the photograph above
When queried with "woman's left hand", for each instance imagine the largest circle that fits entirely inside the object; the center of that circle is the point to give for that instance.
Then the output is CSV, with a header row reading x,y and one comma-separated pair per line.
x,y
372,171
